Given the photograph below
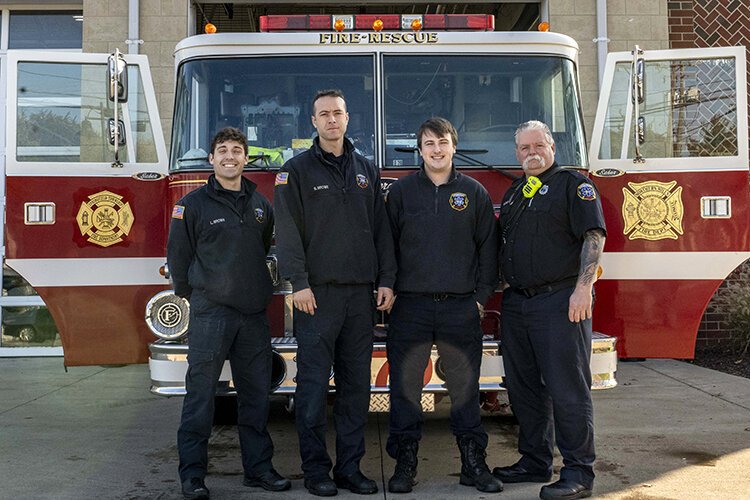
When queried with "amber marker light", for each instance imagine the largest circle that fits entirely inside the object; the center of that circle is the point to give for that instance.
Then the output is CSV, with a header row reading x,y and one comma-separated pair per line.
x,y
209,29
543,26
377,25
339,25
416,24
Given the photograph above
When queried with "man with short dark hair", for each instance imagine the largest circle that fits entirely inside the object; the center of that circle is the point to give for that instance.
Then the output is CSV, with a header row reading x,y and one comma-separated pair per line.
x,y
444,228
334,245
218,241
552,236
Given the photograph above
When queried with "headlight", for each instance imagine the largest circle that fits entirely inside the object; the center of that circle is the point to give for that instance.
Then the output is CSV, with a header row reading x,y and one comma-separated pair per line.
x,y
168,315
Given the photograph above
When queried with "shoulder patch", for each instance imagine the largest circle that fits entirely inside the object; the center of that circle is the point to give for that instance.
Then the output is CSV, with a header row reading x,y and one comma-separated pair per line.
x,y
282,178
586,192
178,212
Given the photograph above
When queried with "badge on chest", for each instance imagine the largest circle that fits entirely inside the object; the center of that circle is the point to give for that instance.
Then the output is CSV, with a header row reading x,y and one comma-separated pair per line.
x,y
459,201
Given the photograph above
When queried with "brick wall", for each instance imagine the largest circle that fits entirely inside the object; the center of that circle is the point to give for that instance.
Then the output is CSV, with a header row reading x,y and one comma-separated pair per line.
x,y
713,23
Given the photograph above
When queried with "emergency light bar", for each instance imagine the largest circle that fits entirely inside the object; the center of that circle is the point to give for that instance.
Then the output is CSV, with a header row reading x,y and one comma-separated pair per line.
x,y
372,22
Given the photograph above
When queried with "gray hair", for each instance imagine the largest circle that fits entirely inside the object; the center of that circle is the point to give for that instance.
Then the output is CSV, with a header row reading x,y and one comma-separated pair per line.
x,y
535,125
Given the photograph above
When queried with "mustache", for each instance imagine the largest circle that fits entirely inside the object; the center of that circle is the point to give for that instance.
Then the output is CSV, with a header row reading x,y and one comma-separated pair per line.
x,y
538,158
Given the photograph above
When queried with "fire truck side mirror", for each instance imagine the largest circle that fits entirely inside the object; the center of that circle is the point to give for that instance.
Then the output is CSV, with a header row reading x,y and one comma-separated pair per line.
x,y
639,82
117,78
641,130
120,137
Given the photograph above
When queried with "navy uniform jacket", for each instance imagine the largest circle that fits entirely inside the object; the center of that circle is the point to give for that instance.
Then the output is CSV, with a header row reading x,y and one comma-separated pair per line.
x,y
542,237
331,225
218,248
445,236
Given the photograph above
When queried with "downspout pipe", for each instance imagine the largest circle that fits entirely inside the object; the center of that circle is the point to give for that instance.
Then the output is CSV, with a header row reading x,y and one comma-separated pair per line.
x,y
601,39
544,11
134,36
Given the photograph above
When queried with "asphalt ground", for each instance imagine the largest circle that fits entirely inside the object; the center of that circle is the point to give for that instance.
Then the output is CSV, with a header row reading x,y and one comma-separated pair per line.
x,y
670,430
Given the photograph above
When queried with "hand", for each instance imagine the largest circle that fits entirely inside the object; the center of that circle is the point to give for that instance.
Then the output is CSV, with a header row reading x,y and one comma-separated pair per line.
x,y
304,300
580,304
385,299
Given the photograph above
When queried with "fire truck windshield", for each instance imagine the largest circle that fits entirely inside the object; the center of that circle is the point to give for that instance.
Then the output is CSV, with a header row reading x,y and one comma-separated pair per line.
x,y
269,98
485,97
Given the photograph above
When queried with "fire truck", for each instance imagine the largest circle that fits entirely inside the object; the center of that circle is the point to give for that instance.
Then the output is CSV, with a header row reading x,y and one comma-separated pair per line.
x,y
90,187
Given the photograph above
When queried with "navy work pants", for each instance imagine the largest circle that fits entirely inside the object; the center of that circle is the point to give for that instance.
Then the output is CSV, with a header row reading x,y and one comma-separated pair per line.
x,y
338,336
548,376
217,332
452,324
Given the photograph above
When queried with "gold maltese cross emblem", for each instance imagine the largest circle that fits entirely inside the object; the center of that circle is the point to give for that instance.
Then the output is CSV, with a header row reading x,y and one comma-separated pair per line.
x,y
105,219
652,210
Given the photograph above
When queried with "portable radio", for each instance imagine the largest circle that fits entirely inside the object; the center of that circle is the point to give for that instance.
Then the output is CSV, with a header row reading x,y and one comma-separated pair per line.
x,y
531,187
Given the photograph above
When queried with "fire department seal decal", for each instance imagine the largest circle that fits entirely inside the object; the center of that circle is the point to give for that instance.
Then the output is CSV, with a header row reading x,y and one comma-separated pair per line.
x,y
105,219
259,215
459,201
652,210
362,181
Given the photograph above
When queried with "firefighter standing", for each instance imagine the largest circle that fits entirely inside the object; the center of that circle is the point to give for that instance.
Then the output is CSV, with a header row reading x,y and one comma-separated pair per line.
x,y
446,247
218,241
334,244
552,235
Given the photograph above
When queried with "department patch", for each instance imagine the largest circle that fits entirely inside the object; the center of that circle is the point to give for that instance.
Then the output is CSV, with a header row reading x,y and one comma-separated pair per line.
x,y
586,192
259,215
544,190
282,178
178,212
362,181
459,201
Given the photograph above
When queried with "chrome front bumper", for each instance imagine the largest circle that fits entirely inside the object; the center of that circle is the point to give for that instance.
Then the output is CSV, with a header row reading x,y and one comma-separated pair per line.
x,y
168,365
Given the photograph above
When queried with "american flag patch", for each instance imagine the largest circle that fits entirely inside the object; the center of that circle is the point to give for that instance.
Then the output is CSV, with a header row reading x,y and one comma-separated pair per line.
x,y
282,178
178,211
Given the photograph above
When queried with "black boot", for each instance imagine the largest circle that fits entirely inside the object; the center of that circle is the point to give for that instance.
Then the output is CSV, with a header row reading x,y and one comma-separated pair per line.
x,y
474,470
406,467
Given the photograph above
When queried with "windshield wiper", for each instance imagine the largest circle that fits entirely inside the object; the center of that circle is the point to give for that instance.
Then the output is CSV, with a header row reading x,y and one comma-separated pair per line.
x,y
251,159
464,154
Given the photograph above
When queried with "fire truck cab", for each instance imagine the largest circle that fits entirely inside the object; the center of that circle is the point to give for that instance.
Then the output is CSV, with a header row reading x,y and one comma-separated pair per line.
x,y
87,221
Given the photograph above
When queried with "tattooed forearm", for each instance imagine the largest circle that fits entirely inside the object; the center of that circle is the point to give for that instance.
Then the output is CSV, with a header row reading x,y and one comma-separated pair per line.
x,y
591,255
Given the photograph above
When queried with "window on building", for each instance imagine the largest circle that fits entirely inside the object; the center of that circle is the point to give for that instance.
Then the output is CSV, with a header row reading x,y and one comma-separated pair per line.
x,y
45,29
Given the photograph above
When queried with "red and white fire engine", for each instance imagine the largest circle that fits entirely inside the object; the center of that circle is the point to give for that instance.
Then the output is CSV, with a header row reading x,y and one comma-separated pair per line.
x,y
86,223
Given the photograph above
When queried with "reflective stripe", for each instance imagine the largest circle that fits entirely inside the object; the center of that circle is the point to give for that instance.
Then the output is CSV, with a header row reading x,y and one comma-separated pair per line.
x,y
670,265
90,272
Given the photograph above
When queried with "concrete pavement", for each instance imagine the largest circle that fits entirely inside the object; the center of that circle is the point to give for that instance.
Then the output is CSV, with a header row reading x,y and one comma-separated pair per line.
x,y
670,430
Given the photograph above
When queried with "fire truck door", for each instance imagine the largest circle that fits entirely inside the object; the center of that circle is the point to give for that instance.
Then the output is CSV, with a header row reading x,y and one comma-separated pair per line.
x,y
669,154
83,231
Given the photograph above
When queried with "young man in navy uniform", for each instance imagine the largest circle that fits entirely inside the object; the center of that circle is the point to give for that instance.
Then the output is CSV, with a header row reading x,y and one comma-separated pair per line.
x,y
218,241
552,234
334,245
444,228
